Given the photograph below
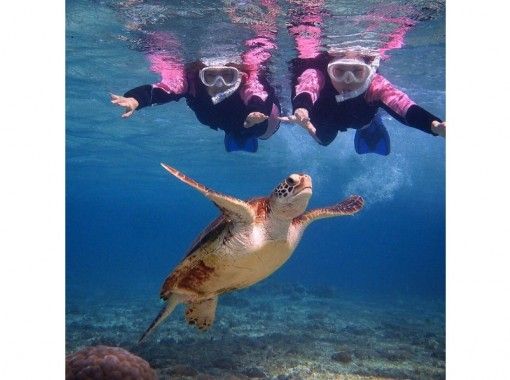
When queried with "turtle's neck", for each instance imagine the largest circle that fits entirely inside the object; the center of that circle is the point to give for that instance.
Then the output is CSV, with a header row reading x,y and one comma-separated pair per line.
x,y
278,228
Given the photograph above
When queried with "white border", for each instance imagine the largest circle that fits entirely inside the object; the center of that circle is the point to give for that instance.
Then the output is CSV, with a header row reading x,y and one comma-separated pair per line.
x,y
478,292
32,197
32,169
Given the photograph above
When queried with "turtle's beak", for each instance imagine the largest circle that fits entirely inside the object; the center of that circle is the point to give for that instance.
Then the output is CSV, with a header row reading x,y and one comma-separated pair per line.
x,y
305,184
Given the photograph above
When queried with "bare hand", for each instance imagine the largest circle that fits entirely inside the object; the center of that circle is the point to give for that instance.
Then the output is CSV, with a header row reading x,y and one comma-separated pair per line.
x,y
301,118
254,118
439,128
131,104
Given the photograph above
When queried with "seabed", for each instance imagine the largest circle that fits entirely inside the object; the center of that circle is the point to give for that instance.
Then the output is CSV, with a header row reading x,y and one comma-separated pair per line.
x,y
274,331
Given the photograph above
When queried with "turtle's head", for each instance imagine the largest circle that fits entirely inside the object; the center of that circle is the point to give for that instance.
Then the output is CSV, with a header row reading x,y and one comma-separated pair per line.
x,y
290,198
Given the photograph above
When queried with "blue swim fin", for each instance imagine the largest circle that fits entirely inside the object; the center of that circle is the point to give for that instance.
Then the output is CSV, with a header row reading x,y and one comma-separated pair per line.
x,y
373,139
236,143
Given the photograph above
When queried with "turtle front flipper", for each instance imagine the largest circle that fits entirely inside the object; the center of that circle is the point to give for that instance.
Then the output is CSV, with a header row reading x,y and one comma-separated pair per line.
x,y
349,206
201,314
233,207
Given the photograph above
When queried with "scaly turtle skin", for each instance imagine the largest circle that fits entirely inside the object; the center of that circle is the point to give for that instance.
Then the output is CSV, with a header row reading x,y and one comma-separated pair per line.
x,y
245,244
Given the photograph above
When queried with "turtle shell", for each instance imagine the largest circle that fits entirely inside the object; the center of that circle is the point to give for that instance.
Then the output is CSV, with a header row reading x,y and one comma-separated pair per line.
x,y
192,270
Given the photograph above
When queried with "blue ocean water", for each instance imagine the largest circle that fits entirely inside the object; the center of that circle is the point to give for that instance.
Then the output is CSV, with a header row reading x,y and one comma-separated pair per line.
x,y
128,222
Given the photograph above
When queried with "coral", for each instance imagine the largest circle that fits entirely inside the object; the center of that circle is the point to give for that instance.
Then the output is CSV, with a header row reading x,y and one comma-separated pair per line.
x,y
107,363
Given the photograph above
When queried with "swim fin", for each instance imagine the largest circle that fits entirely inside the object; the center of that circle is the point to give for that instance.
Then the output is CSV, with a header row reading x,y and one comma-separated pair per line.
x,y
235,143
373,139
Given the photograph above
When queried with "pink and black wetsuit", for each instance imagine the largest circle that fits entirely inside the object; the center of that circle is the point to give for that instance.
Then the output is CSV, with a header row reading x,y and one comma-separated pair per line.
x,y
228,115
255,94
312,90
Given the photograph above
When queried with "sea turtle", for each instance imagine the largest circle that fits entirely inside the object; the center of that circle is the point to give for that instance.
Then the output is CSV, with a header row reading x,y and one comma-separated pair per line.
x,y
245,244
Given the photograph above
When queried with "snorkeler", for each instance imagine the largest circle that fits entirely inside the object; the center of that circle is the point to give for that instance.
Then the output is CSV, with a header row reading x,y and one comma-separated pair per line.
x,y
222,97
336,90
234,97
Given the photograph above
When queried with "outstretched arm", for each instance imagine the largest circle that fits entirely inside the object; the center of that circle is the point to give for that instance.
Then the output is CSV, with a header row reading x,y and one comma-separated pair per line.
x,y
167,63
401,107
143,96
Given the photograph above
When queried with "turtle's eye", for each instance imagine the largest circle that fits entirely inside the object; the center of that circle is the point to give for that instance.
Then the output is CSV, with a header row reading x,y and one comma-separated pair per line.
x,y
292,180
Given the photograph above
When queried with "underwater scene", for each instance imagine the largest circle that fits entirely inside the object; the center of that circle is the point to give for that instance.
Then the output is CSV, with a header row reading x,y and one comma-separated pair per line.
x,y
309,134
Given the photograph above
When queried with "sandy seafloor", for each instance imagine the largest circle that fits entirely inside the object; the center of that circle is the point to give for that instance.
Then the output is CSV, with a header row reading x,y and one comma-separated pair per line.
x,y
274,331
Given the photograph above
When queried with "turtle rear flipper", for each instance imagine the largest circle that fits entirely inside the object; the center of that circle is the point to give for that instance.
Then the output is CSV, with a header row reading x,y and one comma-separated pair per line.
x,y
172,302
201,314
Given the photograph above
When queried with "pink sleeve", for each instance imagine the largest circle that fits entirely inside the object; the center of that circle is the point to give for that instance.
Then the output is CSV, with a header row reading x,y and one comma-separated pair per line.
x,y
252,87
311,82
168,63
381,90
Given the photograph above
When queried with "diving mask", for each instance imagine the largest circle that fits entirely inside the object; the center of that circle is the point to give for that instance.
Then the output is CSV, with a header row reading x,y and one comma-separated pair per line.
x,y
217,76
349,71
